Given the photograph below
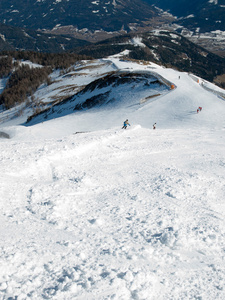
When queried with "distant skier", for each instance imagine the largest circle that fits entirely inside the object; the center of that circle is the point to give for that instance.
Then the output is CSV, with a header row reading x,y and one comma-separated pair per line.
x,y
125,124
154,126
200,108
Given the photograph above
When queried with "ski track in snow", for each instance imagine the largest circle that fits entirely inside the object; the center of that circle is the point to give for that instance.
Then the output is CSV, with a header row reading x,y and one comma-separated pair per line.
x,y
115,214
107,217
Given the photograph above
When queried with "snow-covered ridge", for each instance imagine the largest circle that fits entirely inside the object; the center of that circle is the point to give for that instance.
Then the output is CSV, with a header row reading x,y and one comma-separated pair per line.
x,y
88,72
115,90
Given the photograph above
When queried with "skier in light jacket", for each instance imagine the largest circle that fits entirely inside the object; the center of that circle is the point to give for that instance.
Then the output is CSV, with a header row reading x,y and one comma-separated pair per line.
x,y
125,124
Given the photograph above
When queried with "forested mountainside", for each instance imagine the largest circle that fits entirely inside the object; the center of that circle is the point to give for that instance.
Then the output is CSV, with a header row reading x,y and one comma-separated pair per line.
x,y
23,78
107,15
15,38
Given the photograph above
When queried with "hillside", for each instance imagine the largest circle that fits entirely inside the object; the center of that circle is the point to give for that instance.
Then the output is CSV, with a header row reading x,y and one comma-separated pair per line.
x,y
79,14
91,211
202,22
118,85
201,15
22,72
122,90
15,38
162,47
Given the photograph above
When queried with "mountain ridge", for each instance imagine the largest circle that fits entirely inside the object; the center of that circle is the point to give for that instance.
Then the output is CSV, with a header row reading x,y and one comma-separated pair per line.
x,y
161,46
202,22
166,48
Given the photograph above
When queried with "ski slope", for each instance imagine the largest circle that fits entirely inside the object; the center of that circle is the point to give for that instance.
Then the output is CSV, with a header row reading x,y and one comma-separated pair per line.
x,y
90,211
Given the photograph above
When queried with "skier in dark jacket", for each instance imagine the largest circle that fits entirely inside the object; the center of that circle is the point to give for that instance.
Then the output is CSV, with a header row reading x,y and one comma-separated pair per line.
x,y
125,124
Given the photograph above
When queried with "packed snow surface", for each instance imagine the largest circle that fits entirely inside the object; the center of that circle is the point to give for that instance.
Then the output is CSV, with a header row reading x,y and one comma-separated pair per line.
x,y
91,211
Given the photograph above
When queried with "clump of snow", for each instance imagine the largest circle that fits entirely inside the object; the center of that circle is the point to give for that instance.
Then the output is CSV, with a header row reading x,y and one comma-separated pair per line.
x,y
214,2
3,82
190,16
137,41
2,37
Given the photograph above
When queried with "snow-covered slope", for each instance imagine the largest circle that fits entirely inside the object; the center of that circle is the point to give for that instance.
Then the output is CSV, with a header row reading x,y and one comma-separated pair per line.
x,y
170,108
117,214
131,99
